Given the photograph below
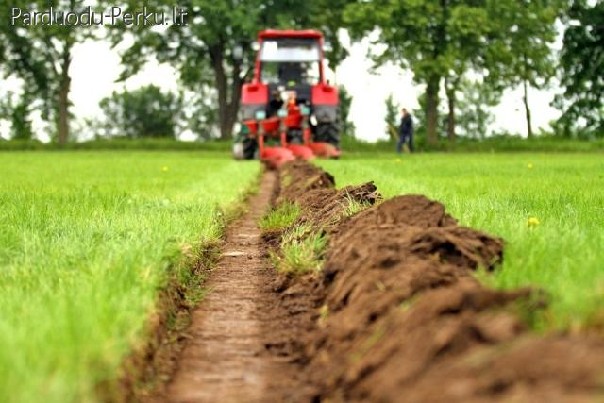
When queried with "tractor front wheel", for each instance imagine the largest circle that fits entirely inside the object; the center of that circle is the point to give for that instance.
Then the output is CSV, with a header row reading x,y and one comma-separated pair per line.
x,y
249,148
328,133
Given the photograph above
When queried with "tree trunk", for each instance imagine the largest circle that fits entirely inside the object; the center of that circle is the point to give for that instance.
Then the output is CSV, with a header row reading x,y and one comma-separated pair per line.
x,y
236,86
450,90
216,59
529,126
432,109
63,101
227,106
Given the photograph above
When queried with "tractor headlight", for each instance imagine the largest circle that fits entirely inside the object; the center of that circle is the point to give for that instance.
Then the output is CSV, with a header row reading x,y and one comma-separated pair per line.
x,y
313,120
260,114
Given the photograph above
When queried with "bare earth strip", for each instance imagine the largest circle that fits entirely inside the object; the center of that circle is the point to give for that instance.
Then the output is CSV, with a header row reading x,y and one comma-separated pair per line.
x,y
226,358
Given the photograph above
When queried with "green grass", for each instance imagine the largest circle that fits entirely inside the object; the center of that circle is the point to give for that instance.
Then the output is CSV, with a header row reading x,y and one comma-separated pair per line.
x,y
301,251
86,241
280,218
498,193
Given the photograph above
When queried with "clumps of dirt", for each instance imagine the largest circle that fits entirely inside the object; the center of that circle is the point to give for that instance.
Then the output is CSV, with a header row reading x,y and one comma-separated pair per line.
x,y
397,314
322,206
409,210
298,177
314,191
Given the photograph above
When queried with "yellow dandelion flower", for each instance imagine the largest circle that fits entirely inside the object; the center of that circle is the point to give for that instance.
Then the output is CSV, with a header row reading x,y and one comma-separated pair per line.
x,y
165,169
532,222
530,165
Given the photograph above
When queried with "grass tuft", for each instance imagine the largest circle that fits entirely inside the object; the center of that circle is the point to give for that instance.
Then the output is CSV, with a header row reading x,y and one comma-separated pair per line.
x,y
301,252
353,207
281,217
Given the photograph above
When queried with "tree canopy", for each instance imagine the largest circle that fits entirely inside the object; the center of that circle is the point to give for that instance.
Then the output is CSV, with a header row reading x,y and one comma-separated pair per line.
x,y
507,40
41,55
582,65
500,44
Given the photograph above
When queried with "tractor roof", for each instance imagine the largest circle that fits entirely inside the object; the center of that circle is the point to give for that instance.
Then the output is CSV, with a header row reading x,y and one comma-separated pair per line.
x,y
290,33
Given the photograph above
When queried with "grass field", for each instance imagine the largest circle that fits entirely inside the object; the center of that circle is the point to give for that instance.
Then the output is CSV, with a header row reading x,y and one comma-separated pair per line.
x,y
560,250
85,242
87,239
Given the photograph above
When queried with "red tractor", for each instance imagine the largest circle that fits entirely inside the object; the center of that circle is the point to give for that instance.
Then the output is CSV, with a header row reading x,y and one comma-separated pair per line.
x,y
289,110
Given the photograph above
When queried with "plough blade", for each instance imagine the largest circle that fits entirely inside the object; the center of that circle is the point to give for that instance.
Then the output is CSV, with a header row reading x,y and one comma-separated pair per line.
x,y
325,150
274,157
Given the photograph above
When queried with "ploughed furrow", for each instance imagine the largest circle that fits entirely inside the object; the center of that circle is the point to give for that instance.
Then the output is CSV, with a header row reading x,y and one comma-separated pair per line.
x,y
228,355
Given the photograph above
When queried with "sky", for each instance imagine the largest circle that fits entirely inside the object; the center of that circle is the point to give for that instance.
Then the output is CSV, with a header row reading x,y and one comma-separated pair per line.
x,y
96,66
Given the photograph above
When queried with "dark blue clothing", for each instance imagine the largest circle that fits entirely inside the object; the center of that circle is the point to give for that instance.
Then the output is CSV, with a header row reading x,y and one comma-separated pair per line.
x,y
405,133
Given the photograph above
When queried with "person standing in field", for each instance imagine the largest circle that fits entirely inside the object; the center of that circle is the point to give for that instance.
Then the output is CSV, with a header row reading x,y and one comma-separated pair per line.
x,y
405,131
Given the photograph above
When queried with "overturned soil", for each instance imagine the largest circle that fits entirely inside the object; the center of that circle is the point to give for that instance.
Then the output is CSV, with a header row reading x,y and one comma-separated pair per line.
x,y
398,315
395,315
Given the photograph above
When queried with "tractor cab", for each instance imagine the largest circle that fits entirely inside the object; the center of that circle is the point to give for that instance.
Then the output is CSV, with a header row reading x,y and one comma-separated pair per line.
x,y
288,99
290,64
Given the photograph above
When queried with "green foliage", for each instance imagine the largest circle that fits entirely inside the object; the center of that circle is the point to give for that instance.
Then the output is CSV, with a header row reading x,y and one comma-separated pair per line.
x,y
495,144
212,148
421,124
40,55
392,117
345,102
497,193
146,112
17,113
523,32
87,240
509,39
473,108
582,63
281,217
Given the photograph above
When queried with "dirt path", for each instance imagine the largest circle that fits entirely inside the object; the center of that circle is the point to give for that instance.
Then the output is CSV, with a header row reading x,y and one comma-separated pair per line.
x,y
226,359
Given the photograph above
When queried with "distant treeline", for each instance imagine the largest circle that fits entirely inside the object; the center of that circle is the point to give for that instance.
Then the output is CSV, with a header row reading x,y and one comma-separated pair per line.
x,y
465,53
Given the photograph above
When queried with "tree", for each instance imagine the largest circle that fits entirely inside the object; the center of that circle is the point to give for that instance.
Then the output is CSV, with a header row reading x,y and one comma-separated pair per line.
x,y
17,113
420,120
474,115
428,37
508,40
40,54
524,31
146,112
391,118
582,62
